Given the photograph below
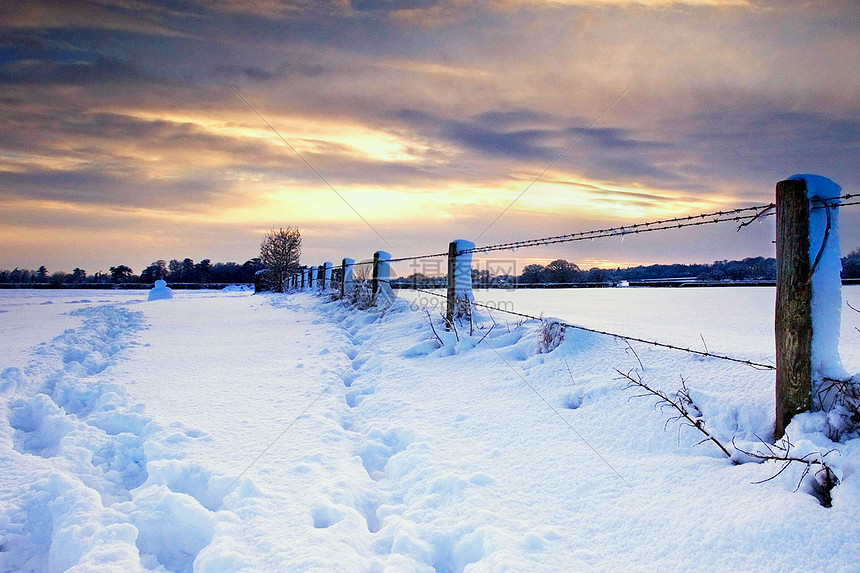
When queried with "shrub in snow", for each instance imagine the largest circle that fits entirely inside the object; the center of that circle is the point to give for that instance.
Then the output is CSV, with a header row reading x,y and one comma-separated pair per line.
x,y
160,291
361,296
550,335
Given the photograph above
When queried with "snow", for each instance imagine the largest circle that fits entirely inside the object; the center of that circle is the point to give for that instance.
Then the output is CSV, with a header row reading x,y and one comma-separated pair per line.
x,y
384,294
160,291
826,283
463,271
348,281
238,288
327,268
227,431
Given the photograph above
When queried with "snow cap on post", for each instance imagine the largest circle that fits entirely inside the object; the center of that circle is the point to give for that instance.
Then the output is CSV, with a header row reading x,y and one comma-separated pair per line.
x,y
463,272
327,274
348,285
382,279
825,259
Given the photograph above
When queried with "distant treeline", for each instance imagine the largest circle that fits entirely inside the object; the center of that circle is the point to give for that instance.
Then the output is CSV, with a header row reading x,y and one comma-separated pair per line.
x,y
176,271
558,271
561,271
749,269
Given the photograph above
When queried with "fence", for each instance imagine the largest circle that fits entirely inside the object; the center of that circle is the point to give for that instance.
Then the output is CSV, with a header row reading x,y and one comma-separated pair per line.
x,y
805,210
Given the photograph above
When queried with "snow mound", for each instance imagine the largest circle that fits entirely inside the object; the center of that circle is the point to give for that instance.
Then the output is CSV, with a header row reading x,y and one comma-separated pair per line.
x,y
160,291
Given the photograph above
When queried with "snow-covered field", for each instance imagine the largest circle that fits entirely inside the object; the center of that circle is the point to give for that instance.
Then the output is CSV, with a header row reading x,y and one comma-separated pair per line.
x,y
224,431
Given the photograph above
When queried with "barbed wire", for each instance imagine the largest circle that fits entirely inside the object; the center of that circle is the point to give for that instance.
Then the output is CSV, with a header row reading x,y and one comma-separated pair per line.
x,y
675,222
433,256
750,363
748,214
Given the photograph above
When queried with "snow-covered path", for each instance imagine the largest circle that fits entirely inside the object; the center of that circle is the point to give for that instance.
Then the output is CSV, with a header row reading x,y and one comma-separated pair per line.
x,y
359,445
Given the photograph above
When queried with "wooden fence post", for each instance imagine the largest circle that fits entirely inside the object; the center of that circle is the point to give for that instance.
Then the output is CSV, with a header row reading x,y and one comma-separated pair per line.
x,y
327,266
381,282
451,298
374,281
460,298
793,323
346,282
303,272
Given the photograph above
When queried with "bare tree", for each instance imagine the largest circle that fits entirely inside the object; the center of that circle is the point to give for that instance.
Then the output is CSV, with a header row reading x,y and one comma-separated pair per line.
x,y
279,252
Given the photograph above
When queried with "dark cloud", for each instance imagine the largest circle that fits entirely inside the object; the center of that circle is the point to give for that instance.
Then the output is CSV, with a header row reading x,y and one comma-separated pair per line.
x,y
523,144
14,45
98,187
599,153
762,144
285,69
98,71
392,5
249,72
140,17
512,117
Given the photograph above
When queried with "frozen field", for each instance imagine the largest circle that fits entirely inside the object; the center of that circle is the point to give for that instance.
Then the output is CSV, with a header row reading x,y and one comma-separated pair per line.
x,y
224,431
729,320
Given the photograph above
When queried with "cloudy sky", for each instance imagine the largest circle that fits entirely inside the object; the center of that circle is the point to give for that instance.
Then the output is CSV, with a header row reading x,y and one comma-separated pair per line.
x,y
137,130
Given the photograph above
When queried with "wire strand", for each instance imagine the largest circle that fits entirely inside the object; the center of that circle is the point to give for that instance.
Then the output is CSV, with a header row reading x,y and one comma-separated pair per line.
x,y
748,214
616,335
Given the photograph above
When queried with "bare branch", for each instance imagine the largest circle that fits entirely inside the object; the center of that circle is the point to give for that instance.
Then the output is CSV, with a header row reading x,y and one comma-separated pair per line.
x,y
635,354
433,328
682,404
487,334
705,343
825,478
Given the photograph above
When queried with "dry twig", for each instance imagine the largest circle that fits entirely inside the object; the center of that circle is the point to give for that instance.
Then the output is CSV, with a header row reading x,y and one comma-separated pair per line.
x,y
681,402
825,478
433,328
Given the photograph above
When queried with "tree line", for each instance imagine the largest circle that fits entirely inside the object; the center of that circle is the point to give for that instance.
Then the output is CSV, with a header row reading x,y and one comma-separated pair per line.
x,y
282,249
561,271
752,268
176,271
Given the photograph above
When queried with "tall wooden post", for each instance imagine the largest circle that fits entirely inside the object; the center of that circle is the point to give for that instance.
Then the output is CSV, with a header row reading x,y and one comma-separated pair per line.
x,y
347,284
374,282
793,324
452,297
327,267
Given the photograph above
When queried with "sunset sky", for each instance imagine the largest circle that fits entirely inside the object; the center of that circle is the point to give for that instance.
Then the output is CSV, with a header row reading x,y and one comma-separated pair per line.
x,y
122,140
